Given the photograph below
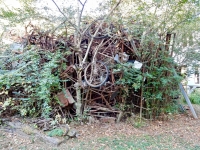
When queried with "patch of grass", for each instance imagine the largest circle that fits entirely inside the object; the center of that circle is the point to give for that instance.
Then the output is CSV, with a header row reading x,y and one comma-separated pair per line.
x,y
55,132
146,142
136,121
139,124
195,97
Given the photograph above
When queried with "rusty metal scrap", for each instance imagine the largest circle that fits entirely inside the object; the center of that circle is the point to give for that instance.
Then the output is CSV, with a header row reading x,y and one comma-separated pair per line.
x,y
109,48
44,39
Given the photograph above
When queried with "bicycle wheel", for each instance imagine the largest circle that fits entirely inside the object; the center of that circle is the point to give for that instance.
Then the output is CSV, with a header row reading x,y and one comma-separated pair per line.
x,y
102,32
96,74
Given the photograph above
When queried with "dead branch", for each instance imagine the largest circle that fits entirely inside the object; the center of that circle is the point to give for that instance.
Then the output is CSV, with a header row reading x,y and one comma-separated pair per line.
x,y
83,5
65,16
81,2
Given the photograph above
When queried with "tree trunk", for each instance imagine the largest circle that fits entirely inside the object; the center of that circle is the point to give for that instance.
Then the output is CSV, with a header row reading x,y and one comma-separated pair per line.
x,y
78,84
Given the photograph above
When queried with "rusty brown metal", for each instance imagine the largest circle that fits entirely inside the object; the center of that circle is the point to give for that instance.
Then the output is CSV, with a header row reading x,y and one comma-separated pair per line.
x,y
65,97
99,100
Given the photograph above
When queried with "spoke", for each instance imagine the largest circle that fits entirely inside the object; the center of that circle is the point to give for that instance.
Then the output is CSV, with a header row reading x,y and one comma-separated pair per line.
x,y
91,79
96,74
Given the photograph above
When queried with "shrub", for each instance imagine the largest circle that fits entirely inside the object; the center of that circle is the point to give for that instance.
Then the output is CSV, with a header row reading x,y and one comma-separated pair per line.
x,y
195,97
30,86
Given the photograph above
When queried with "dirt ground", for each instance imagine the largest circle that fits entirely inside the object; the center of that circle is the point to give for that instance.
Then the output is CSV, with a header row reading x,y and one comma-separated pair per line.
x,y
178,132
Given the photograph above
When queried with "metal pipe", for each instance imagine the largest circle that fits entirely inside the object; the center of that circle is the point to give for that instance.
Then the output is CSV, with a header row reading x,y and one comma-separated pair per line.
x,y
188,101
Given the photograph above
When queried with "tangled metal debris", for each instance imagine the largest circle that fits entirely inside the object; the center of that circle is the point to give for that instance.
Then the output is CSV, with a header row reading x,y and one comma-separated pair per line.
x,y
92,67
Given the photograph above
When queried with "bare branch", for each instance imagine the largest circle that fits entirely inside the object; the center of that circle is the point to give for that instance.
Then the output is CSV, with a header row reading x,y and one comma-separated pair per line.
x,y
59,8
81,2
78,40
65,16
82,9
83,5
59,26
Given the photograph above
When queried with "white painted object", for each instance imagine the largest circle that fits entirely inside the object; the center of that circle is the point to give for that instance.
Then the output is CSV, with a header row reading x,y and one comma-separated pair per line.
x,y
137,64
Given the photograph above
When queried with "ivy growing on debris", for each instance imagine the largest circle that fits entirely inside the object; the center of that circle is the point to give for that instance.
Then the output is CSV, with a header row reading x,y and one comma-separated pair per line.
x,y
31,86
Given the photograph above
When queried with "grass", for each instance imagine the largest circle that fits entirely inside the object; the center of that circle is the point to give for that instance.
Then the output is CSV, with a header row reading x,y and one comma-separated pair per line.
x,y
195,97
146,142
119,142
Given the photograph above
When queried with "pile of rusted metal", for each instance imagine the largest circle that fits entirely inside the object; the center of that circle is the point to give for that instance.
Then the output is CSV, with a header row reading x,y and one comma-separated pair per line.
x,y
92,67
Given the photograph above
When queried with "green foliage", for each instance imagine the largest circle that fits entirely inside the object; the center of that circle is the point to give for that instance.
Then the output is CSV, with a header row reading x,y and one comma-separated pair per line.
x,y
131,82
33,82
161,84
161,87
171,108
7,13
132,77
146,21
55,132
195,97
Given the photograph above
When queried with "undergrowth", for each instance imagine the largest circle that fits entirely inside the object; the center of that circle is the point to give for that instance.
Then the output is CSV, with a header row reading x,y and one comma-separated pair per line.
x,y
195,97
29,87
